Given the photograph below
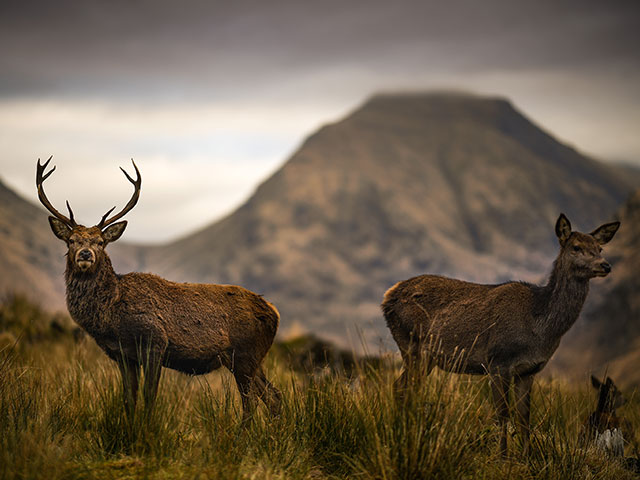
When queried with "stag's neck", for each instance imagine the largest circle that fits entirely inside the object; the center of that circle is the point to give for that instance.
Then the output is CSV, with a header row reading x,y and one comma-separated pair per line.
x,y
565,295
90,296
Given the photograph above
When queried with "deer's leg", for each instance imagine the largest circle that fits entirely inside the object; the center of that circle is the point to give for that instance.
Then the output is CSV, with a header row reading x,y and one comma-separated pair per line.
x,y
500,389
415,364
523,408
152,366
130,372
244,372
269,394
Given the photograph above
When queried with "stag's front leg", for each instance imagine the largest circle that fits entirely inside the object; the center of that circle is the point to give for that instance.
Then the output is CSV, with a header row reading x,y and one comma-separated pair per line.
x,y
152,367
523,408
130,372
500,389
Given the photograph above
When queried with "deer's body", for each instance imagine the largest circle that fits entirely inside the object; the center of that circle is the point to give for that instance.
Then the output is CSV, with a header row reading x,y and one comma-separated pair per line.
x,y
140,319
508,331
199,327
510,328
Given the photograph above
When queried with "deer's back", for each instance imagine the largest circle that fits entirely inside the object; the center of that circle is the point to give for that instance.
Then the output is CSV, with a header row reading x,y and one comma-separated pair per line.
x,y
198,320
493,321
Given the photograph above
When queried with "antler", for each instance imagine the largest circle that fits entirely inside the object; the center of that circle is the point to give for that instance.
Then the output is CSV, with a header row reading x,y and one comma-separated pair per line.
x,y
41,177
132,203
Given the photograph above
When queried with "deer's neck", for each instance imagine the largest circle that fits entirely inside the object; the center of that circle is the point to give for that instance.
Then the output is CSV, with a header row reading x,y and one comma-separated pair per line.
x,y
91,295
565,295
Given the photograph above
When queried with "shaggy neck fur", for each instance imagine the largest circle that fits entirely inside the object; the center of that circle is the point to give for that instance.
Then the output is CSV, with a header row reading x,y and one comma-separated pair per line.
x,y
564,296
91,294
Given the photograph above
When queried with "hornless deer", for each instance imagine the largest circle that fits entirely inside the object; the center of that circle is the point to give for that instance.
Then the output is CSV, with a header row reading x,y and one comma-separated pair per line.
x,y
142,319
604,426
507,331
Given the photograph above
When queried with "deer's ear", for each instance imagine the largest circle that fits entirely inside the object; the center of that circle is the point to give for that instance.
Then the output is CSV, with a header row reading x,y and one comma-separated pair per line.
x,y
59,228
595,382
563,229
605,233
114,232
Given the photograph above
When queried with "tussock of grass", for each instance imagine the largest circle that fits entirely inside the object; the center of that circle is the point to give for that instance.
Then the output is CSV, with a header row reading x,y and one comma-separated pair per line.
x,y
61,416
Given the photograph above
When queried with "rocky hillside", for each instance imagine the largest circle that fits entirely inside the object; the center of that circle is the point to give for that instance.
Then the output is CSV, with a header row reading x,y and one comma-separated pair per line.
x,y
452,184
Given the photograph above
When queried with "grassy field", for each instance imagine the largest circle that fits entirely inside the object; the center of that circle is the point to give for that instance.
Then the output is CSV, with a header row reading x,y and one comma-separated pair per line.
x,y
61,416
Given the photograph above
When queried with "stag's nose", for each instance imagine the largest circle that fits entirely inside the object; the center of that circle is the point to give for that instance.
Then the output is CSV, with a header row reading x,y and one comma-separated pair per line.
x,y
606,267
84,255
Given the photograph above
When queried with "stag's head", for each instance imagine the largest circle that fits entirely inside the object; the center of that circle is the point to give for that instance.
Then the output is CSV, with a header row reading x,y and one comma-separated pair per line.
x,y
582,252
86,244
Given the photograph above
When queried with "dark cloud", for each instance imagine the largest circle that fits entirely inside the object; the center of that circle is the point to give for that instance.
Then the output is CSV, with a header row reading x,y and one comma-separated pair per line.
x,y
188,49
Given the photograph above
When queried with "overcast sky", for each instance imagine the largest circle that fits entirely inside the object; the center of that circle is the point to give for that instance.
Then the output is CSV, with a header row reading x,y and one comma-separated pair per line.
x,y
210,98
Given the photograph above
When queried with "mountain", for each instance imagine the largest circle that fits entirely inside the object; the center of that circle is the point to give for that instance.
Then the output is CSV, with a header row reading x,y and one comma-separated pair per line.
x,y
443,183
453,184
31,259
607,337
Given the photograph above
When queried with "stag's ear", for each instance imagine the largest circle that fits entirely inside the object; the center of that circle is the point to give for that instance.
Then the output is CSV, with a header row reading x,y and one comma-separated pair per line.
x,y
113,232
605,233
60,229
563,229
595,382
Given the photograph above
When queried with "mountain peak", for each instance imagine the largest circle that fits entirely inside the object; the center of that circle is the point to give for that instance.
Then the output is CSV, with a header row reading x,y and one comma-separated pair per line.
x,y
438,105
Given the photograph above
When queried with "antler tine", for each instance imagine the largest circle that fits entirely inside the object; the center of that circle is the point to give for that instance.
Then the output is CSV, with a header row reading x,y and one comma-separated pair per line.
x,y
40,178
70,212
137,183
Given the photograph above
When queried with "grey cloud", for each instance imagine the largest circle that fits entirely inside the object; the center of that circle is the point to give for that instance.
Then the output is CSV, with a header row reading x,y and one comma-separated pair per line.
x,y
188,49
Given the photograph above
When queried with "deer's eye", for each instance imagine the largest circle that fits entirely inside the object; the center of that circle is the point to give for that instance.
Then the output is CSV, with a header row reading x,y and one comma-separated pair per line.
x,y
100,242
71,241
576,248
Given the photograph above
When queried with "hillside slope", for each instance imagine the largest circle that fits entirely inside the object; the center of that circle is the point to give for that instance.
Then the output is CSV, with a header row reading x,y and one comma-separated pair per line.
x,y
441,183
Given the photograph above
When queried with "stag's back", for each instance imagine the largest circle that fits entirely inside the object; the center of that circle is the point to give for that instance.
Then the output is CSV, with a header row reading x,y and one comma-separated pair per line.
x,y
199,320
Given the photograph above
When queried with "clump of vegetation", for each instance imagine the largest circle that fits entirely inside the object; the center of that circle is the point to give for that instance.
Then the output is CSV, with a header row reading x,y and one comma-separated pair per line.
x,y
61,416
22,319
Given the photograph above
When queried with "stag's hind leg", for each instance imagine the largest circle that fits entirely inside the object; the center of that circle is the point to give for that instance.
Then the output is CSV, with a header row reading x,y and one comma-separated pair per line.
x,y
244,371
269,394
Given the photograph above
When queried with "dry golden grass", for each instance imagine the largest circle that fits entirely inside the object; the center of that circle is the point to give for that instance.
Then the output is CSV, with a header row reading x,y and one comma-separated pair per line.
x,y
61,416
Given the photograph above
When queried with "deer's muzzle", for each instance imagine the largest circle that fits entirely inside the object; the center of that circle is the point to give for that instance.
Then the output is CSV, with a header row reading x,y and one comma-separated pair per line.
x,y
603,269
85,258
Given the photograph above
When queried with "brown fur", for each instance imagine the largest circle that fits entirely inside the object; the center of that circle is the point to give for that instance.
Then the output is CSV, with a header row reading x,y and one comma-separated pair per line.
x,y
142,319
508,331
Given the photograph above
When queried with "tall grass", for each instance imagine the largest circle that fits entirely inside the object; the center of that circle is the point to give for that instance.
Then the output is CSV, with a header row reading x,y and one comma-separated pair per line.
x,y
61,416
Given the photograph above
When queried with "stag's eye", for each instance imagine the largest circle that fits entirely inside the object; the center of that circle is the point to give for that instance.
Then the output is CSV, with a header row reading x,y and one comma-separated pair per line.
x,y
577,249
100,242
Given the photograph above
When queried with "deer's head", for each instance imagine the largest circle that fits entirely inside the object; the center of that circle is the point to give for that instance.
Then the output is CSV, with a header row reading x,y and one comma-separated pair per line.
x,y
86,244
582,252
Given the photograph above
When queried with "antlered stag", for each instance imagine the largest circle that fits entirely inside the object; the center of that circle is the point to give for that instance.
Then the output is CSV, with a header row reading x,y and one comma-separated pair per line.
x,y
140,319
508,331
